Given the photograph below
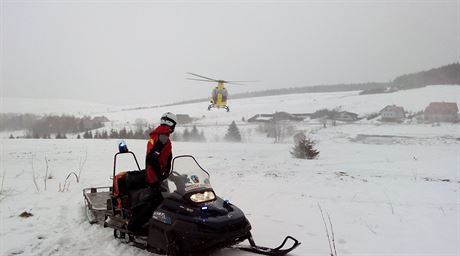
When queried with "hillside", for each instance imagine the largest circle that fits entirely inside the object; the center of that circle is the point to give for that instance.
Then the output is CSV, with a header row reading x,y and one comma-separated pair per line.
x,y
445,75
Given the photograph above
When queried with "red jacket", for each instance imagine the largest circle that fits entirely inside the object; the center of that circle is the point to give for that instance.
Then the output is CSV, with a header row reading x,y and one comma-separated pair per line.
x,y
159,155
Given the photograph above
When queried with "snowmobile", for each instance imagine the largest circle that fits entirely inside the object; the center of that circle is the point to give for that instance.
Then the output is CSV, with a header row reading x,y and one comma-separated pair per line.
x,y
191,220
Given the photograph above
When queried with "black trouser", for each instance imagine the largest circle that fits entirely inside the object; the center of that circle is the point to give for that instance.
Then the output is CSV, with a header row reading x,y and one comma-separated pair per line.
x,y
148,200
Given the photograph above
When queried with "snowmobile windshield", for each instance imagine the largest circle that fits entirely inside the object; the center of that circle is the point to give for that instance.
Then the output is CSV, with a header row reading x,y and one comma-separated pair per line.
x,y
187,176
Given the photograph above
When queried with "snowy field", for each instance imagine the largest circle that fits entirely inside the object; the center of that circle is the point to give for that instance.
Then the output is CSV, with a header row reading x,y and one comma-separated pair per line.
x,y
389,189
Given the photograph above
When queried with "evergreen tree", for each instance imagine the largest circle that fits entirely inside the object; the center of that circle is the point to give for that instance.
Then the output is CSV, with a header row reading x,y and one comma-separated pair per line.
x,y
123,133
175,136
233,133
202,137
186,135
78,136
36,135
194,135
139,134
130,134
113,134
104,135
147,132
11,136
304,149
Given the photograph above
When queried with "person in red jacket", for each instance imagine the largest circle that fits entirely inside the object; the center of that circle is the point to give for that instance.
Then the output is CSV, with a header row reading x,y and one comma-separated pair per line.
x,y
159,150
157,167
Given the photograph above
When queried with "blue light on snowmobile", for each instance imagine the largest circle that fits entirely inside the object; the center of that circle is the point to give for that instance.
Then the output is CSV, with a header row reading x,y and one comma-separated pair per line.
x,y
122,147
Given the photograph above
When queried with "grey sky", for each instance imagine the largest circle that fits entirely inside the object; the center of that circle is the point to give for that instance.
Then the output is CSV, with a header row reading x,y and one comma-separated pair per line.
x,y
138,52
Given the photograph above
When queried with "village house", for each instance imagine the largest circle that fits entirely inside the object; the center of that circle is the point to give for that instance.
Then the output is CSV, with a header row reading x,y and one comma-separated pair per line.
x,y
261,118
392,113
441,112
277,116
183,119
346,116
100,119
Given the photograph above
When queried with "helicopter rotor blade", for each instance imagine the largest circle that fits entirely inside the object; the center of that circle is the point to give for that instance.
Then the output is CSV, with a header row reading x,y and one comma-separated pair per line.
x,y
238,84
193,74
194,79
244,83
241,81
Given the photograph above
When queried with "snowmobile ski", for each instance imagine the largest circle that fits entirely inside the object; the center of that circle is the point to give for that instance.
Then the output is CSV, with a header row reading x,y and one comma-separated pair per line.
x,y
278,251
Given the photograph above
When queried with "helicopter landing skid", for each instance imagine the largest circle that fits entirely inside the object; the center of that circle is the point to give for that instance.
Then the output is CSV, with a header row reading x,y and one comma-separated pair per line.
x,y
214,106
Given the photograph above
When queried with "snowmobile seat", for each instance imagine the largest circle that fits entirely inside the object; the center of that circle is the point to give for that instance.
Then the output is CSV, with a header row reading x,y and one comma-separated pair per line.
x,y
127,187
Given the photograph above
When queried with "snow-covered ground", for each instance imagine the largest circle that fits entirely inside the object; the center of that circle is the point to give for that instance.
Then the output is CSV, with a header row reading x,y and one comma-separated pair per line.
x,y
390,189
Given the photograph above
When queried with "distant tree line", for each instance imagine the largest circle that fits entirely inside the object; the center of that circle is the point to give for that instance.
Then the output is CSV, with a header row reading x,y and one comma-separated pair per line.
x,y
43,126
447,75
189,135
14,122
124,133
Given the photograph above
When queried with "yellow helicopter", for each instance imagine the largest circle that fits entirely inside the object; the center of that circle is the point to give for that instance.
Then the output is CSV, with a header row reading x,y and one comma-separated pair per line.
x,y
219,94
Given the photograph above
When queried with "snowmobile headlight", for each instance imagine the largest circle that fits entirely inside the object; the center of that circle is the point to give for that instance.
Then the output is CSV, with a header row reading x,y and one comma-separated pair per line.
x,y
203,197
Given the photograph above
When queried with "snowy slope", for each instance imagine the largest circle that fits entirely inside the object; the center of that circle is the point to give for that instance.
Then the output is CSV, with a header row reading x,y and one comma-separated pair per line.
x,y
390,189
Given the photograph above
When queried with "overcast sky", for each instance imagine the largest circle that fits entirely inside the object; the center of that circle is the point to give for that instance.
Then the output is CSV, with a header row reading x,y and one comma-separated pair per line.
x,y
138,52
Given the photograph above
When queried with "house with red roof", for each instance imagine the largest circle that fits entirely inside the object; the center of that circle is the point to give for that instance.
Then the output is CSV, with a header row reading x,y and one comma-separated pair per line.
x,y
441,112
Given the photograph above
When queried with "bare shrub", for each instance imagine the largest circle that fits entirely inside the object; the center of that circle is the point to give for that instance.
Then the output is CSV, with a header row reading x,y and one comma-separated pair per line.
x,y
3,181
81,165
46,171
33,176
66,185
